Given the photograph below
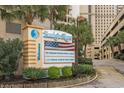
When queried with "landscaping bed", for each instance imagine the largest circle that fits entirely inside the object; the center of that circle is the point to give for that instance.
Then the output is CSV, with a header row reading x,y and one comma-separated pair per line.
x,y
51,77
45,83
80,71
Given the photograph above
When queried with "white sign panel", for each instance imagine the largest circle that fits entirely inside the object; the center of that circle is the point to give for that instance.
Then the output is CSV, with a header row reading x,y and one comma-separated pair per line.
x,y
55,35
59,59
58,47
59,53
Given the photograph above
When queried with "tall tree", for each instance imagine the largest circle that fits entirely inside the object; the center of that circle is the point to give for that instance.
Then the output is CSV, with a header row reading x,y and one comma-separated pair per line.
x,y
111,42
57,13
116,41
81,33
26,13
120,40
85,36
72,29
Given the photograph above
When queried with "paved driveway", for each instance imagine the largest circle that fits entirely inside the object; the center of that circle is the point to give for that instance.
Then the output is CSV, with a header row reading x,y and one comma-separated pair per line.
x,y
108,76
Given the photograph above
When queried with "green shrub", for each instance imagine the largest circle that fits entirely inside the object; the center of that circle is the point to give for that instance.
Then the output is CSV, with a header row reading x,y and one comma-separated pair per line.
x,y
122,57
33,73
80,69
85,61
117,56
67,71
54,72
10,52
85,69
80,60
88,61
75,69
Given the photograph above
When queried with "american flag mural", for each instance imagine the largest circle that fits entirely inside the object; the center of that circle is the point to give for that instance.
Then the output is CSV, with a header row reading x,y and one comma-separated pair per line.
x,y
52,45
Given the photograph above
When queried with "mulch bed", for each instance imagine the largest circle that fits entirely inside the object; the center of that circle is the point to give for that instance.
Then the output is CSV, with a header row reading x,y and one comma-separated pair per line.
x,y
20,79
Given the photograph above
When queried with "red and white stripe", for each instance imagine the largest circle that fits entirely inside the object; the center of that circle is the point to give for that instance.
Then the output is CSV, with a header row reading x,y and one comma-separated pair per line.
x,y
63,46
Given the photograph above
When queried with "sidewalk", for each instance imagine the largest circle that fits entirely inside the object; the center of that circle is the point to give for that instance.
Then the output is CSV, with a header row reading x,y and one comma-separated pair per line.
x,y
108,77
118,64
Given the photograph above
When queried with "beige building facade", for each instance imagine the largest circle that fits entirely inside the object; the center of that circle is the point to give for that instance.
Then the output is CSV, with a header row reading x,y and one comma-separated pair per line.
x,y
116,26
6,34
100,17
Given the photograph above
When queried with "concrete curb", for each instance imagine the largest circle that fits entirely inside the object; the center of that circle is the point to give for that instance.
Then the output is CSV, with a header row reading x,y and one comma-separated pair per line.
x,y
119,71
69,86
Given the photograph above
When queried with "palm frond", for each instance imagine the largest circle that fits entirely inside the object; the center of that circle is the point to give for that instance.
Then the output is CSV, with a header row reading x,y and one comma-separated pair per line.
x,y
6,15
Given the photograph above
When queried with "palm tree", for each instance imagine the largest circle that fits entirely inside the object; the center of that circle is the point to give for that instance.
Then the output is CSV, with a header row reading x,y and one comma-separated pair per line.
x,y
72,29
57,13
116,40
26,13
120,40
111,42
85,36
67,28
82,35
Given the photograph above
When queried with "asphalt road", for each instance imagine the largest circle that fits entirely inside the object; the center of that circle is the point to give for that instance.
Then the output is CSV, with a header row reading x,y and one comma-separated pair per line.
x,y
110,74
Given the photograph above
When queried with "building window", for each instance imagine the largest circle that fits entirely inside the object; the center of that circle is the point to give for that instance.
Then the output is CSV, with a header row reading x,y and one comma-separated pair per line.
x,y
13,28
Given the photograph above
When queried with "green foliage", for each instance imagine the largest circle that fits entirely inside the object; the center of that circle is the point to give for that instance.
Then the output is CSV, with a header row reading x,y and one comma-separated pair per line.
x,y
75,69
34,73
67,71
57,13
79,69
84,35
26,13
80,60
10,52
117,56
116,41
120,36
54,72
81,33
122,57
85,61
85,69
1,74
111,41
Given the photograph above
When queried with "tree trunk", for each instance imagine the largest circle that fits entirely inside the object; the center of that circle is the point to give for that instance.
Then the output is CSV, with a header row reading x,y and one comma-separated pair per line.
x,y
85,50
119,48
29,23
76,48
51,21
51,24
29,19
112,51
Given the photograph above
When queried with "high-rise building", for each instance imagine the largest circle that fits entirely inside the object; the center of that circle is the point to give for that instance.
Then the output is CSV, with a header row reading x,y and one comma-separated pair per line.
x,y
104,15
119,8
100,17
115,27
85,11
